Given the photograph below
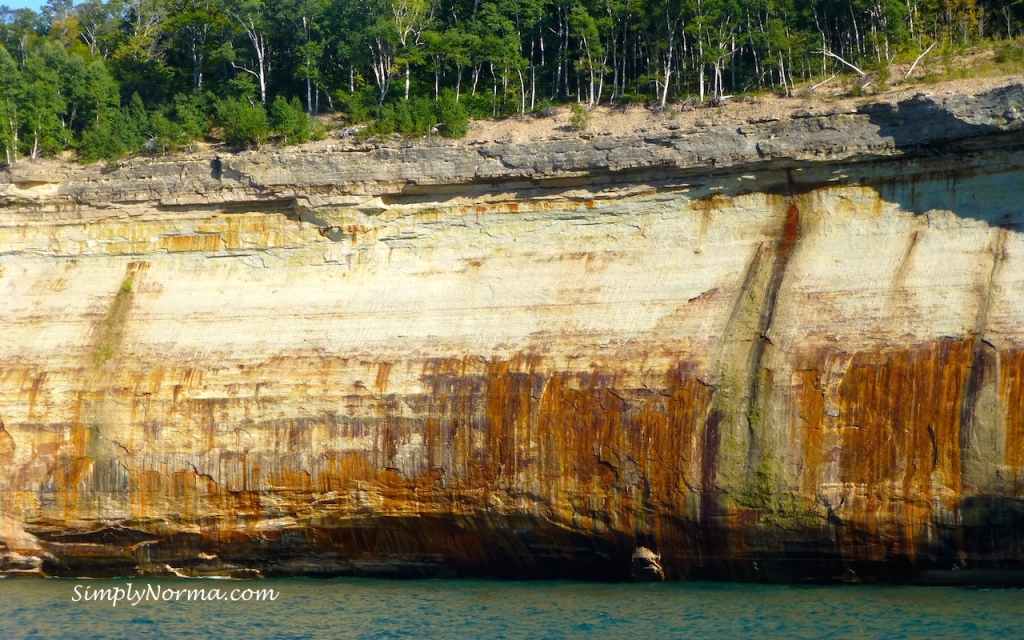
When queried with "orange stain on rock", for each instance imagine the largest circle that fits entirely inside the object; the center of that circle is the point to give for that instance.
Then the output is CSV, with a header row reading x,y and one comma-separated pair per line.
x,y
1011,396
809,427
177,244
900,414
791,231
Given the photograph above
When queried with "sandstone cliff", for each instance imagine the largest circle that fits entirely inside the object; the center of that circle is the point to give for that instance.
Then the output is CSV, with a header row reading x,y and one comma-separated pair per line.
x,y
789,349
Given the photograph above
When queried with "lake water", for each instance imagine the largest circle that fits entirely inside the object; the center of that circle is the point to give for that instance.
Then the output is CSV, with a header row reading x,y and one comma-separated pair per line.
x,y
350,608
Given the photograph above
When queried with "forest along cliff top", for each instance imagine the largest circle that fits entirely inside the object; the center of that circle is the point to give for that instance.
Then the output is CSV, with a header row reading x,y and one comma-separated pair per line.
x,y
628,120
638,145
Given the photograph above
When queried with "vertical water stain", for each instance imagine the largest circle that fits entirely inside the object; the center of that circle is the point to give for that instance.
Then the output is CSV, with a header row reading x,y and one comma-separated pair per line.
x,y
745,384
89,465
980,405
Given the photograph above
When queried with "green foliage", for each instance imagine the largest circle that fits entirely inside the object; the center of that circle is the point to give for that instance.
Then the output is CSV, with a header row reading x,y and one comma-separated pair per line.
x,y
543,108
244,122
882,75
386,123
480,105
104,353
420,117
167,134
10,99
91,92
452,115
69,74
360,106
1010,53
178,125
116,133
580,118
191,116
290,120
415,117
243,86
43,104
132,124
101,142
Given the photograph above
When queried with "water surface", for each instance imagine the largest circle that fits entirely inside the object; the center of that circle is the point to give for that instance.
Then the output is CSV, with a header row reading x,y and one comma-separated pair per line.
x,y
357,608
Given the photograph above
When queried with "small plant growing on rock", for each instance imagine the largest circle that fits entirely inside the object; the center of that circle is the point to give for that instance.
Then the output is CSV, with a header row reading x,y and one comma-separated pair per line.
x,y
103,354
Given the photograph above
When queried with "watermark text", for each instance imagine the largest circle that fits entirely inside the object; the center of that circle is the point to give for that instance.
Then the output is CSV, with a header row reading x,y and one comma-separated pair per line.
x,y
135,595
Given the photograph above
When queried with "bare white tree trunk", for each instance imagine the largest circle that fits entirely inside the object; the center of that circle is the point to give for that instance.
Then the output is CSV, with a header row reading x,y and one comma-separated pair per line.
x,y
259,45
522,92
383,62
669,54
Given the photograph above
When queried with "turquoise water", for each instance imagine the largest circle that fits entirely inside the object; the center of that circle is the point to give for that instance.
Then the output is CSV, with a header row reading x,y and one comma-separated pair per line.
x,y
482,609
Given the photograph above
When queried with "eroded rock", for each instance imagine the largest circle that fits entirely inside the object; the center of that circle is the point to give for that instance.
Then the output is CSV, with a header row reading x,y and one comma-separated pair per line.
x,y
784,354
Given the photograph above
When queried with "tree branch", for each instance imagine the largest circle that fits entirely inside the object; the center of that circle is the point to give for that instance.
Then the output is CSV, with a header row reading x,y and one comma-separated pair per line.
x,y
239,67
919,58
860,72
823,83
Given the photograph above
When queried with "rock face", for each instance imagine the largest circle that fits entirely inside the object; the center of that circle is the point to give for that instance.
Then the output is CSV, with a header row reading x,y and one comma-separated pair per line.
x,y
785,351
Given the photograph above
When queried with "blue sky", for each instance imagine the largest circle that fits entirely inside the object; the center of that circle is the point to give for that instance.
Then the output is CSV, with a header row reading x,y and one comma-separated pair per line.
x,y
24,4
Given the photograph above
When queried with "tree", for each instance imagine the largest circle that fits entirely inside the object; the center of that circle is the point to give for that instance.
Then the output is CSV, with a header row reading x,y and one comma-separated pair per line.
x,y
290,121
962,17
245,122
301,45
11,98
138,61
18,29
193,26
42,127
663,38
381,37
584,28
499,49
178,124
91,92
251,18
459,47
452,115
411,16
143,22
70,72
98,23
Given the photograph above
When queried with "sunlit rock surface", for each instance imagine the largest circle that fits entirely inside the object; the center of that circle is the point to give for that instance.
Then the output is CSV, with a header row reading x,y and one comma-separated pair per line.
x,y
788,351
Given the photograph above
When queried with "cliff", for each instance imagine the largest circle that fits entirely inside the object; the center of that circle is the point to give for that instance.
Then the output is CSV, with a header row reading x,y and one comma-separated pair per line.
x,y
780,349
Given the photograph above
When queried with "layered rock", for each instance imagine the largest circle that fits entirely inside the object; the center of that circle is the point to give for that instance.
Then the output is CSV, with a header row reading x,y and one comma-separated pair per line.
x,y
781,351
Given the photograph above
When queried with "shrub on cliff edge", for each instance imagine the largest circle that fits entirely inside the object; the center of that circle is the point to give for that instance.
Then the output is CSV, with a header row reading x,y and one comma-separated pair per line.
x,y
452,115
580,118
290,120
245,122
